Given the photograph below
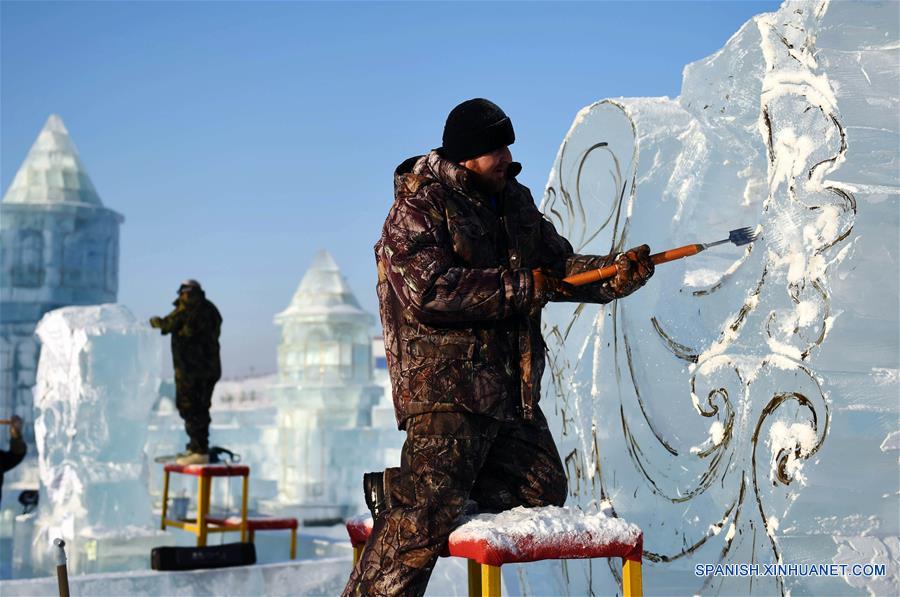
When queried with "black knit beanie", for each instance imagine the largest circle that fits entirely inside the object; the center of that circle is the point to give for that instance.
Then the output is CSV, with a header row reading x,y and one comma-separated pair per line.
x,y
476,127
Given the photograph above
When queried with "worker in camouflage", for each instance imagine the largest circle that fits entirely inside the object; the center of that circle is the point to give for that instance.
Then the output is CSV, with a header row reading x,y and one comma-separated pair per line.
x,y
465,264
9,459
194,324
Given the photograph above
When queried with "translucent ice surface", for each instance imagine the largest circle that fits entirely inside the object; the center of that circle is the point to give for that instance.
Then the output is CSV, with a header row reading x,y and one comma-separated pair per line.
x,y
728,407
97,380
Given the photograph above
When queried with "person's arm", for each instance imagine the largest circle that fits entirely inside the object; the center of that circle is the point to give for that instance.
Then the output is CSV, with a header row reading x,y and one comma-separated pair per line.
x,y
634,269
420,265
170,323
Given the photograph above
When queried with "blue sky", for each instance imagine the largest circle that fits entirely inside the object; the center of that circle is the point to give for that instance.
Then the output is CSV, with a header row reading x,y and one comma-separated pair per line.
x,y
238,139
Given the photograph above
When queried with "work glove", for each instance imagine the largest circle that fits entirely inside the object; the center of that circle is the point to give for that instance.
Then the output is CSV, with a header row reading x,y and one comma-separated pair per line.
x,y
547,287
155,322
633,269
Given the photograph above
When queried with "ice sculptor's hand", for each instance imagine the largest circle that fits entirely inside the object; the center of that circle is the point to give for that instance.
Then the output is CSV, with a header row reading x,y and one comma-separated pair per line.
x,y
546,288
634,267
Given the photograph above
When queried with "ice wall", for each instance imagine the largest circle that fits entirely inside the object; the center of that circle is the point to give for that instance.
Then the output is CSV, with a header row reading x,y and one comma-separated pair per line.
x,y
97,381
727,408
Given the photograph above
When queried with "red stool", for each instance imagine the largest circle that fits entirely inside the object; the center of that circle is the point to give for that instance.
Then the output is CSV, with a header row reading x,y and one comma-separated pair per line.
x,y
233,523
359,528
520,535
205,474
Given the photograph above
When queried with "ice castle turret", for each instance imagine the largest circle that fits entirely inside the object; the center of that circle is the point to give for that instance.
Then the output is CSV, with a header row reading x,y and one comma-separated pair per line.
x,y
325,382
326,337
59,246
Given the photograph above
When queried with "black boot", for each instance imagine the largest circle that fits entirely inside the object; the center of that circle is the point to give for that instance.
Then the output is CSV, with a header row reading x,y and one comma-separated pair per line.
x,y
373,486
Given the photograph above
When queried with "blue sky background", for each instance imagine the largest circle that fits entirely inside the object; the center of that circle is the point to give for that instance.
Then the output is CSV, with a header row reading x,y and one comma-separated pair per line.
x,y
238,139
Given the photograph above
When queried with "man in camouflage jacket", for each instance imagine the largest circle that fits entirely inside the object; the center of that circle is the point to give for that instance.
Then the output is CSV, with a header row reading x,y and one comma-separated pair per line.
x,y
465,264
9,459
195,324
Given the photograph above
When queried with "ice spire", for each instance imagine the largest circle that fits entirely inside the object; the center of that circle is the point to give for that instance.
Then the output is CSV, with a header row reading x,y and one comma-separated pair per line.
x,y
52,171
323,293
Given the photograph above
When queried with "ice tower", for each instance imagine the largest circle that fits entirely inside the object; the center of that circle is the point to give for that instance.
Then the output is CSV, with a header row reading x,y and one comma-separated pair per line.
x,y
59,246
325,389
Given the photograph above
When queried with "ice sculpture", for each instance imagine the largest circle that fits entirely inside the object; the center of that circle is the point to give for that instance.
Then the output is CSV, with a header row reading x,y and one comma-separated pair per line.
x,y
726,407
97,381
325,395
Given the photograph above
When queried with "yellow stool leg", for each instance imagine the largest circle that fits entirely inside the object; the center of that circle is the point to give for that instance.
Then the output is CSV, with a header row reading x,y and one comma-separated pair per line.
x,y
474,578
165,501
631,579
294,544
202,510
244,492
490,581
357,552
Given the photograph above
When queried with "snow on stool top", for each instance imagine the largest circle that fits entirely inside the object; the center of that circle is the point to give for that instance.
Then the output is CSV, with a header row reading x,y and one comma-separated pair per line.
x,y
359,527
531,534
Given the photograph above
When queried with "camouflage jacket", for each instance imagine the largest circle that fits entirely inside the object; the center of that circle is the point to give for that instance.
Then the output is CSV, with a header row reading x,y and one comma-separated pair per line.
x,y
11,459
455,292
195,328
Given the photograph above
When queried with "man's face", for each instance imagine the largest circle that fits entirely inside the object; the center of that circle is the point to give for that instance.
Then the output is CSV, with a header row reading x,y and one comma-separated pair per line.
x,y
491,168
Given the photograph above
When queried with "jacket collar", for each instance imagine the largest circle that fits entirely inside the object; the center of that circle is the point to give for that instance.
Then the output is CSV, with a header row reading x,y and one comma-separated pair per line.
x,y
414,171
456,177
404,179
447,173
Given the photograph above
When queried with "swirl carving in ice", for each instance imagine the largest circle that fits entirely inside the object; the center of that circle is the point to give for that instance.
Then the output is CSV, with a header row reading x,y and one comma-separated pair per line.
x,y
693,409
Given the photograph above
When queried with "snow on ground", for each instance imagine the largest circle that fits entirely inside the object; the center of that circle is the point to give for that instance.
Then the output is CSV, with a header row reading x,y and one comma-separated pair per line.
x,y
308,577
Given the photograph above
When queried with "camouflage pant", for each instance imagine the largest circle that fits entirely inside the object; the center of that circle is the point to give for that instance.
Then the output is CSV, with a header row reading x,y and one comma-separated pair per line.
x,y
447,459
193,397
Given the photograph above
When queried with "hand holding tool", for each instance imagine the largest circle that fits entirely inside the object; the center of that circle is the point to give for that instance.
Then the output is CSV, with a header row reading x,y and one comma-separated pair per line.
x,y
739,237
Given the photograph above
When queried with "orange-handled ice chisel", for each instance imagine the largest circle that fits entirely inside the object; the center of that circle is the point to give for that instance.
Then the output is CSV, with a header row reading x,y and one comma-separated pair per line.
x,y
741,236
